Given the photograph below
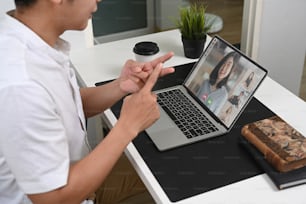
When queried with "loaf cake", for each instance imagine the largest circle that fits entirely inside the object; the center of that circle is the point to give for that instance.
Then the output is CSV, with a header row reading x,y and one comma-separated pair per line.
x,y
282,146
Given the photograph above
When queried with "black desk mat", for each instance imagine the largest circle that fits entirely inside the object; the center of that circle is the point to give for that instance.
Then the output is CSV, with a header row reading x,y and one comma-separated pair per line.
x,y
203,166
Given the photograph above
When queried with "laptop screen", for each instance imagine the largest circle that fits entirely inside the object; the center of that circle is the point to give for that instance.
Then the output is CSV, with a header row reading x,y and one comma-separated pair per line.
x,y
224,79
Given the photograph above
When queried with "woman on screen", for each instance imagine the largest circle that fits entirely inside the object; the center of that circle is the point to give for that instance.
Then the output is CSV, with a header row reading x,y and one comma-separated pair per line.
x,y
213,91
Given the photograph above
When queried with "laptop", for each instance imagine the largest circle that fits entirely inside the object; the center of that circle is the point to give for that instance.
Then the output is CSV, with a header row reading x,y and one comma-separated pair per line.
x,y
210,100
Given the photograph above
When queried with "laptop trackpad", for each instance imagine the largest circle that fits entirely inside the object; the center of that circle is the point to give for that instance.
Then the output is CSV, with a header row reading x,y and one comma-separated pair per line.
x,y
163,123
164,133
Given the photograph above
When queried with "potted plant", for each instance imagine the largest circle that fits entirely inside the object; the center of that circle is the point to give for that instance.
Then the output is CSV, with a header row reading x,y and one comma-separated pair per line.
x,y
193,27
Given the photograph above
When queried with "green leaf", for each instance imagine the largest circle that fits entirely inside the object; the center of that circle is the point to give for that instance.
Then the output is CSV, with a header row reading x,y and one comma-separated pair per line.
x,y
192,21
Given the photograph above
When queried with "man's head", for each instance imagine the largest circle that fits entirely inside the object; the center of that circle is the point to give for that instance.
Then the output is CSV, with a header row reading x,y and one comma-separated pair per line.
x,y
67,14
50,18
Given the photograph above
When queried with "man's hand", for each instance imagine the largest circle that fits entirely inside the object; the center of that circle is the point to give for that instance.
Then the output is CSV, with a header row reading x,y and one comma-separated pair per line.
x,y
140,110
135,74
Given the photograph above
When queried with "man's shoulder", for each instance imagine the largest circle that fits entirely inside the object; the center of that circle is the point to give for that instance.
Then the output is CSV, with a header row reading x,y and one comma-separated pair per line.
x,y
12,59
11,46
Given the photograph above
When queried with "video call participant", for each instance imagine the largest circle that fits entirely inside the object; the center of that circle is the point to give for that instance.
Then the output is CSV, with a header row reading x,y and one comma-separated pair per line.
x,y
213,91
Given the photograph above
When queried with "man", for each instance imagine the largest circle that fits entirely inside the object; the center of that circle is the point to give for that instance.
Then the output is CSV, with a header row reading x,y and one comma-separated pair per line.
x,y
43,153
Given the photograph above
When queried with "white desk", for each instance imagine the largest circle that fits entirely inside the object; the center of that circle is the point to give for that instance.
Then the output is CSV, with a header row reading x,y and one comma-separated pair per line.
x,y
104,62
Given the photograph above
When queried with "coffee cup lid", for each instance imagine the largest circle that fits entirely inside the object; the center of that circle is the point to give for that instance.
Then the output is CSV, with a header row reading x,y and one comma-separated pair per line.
x,y
146,48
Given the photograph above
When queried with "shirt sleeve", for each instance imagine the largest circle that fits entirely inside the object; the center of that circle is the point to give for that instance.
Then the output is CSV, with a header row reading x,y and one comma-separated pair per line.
x,y
33,139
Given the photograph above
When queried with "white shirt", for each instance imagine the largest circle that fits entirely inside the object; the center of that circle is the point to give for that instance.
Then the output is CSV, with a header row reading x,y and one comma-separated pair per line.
x,y
42,127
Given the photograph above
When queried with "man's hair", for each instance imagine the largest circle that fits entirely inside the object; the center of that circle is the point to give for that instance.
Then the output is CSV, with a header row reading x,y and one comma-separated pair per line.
x,y
24,3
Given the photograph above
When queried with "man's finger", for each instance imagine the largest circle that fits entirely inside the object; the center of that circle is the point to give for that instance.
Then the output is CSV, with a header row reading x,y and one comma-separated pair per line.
x,y
142,75
162,59
152,78
136,68
166,71
134,79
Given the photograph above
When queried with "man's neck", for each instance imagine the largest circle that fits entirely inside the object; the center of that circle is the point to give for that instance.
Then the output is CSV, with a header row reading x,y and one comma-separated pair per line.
x,y
39,23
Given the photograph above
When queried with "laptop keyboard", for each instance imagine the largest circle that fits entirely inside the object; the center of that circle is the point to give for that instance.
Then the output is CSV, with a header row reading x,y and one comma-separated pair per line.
x,y
185,114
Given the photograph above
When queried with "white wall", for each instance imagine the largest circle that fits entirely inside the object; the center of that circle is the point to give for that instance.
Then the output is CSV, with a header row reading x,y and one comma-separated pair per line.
x,y
167,12
6,5
274,35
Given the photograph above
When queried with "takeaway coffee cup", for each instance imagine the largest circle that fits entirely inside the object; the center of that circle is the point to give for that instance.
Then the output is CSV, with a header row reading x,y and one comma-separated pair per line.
x,y
145,51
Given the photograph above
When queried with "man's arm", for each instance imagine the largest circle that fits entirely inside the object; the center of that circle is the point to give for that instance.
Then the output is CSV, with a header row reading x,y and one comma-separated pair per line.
x,y
132,78
97,99
138,112
87,175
